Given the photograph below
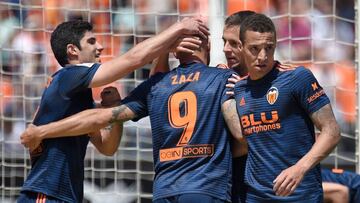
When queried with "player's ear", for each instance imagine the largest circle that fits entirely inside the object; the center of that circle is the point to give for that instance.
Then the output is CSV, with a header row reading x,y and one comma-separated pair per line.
x,y
71,50
208,46
240,46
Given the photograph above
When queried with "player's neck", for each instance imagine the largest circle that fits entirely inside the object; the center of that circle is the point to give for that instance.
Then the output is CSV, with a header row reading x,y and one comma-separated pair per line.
x,y
197,58
73,62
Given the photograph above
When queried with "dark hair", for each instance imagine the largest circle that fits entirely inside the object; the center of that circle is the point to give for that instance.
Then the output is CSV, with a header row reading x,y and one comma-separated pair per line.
x,y
237,18
70,32
257,23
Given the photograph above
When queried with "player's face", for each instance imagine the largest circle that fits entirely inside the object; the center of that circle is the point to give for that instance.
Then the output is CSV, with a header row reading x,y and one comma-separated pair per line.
x,y
258,52
231,45
90,49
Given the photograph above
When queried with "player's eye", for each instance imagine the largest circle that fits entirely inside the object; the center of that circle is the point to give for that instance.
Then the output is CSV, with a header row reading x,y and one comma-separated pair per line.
x,y
91,41
254,50
269,48
233,43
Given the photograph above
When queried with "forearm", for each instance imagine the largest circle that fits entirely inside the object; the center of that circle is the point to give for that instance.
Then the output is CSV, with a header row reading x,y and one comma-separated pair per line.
x,y
159,45
326,141
136,57
323,146
109,140
78,124
160,64
232,120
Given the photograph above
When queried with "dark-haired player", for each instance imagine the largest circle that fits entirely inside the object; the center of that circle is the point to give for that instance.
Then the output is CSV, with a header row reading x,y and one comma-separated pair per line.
x,y
191,144
57,172
278,107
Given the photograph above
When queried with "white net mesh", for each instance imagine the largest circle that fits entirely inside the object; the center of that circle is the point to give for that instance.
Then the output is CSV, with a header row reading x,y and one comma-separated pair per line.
x,y
319,34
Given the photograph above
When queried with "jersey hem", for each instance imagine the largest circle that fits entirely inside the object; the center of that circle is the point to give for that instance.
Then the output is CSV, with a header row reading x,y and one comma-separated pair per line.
x,y
218,196
38,190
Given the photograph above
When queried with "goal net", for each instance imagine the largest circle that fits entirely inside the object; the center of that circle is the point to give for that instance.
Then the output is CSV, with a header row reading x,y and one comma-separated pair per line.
x,y
318,34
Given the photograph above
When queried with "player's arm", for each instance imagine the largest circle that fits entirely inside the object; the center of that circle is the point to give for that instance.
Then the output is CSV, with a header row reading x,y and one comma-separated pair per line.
x,y
228,109
146,51
329,136
160,64
107,140
81,123
185,45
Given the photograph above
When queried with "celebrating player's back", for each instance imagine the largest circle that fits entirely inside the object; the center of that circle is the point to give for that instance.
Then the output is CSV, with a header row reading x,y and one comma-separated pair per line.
x,y
190,141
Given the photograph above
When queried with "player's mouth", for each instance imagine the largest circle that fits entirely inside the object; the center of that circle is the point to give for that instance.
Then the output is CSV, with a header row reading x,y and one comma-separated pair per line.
x,y
231,60
261,66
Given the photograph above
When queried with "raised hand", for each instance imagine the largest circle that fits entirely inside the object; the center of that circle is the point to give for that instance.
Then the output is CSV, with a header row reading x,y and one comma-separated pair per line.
x,y
186,45
194,26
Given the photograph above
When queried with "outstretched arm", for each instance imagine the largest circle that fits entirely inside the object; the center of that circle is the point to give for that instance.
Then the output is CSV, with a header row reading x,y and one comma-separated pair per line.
x,y
146,51
81,123
290,178
185,45
231,116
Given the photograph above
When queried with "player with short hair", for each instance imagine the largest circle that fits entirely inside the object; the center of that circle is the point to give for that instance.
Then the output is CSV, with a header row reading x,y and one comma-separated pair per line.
x,y
278,107
191,144
235,62
58,164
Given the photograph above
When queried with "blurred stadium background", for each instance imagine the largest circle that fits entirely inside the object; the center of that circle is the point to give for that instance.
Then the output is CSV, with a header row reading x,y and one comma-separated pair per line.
x,y
317,33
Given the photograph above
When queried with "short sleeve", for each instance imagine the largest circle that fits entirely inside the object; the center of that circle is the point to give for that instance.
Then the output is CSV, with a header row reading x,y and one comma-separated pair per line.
x,y
225,96
76,79
137,100
307,90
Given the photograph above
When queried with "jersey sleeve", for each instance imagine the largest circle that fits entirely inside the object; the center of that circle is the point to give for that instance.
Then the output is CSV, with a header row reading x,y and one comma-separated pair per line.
x,y
307,91
76,79
225,96
137,100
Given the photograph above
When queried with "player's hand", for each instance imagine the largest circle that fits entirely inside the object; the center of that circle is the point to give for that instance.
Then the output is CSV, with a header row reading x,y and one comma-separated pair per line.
x,y
288,180
110,97
29,137
194,26
222,66
186,45
231,83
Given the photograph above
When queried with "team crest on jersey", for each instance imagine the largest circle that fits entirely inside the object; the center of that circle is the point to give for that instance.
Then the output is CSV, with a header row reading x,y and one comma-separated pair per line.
x,y
272,95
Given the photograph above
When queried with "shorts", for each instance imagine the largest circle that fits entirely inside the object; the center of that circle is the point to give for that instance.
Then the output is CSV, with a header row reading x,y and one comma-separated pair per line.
x,y
190,198
36,197
239,188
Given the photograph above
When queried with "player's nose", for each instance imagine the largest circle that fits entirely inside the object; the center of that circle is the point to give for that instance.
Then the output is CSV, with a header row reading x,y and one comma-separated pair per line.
x,y
99,47
262,55
226,48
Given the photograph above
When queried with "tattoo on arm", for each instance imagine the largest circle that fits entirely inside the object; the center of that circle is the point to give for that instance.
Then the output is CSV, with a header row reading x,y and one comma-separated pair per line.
x,y
120,114
231,117
109,127
323,116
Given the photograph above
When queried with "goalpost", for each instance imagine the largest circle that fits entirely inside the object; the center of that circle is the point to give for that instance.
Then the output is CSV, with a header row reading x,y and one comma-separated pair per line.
x,y
357,63
317,34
